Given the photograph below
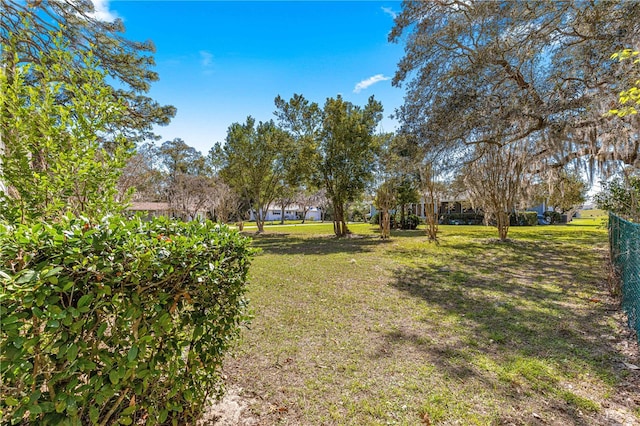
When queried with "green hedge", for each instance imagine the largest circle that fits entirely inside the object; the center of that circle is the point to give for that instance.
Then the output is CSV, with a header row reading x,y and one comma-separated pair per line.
x,y
524,218
462,219
411,221
123,322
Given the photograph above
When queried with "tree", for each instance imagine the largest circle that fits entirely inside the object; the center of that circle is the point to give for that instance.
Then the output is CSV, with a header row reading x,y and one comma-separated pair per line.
x,y
347,152
343,136
621,196
285,198
180,158
506,72
28,33
384,201
188,190
430,194
141,177
254,162
190,195
398,164
307,198
406,193
53,160
227,203
302,120
566,192
496,181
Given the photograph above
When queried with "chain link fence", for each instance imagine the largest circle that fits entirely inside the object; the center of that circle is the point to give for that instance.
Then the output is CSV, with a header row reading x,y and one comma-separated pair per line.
x,y
624,246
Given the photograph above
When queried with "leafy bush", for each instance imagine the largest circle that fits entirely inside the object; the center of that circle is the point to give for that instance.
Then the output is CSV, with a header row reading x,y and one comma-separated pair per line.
x,y
358,216
524,219
620,197
375,219
410,222
124,321
462,219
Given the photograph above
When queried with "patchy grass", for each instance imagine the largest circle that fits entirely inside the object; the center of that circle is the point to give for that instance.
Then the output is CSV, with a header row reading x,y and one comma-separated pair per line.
x,y
469,331
592,213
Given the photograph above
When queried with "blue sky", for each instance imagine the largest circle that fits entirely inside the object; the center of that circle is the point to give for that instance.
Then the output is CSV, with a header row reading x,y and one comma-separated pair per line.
x,y
222,61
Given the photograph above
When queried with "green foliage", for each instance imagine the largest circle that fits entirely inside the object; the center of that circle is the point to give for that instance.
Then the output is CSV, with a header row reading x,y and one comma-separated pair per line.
x,y
358,211
620,197
410,222
629,98
54,159
117,322
254,162
407,191
375,219
462,219
569,191
348,149
342,135
26,32
524,219
179,158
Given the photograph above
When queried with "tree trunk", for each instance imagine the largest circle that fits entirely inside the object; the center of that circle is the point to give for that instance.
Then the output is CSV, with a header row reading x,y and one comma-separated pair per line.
x,y
502,219
282,214
339,224
402,216
260,220
385,225
432,218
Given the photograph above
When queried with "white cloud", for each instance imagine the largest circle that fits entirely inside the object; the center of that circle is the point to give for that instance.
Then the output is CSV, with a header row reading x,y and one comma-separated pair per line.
x,y
206,58
369,82
389,12
102,12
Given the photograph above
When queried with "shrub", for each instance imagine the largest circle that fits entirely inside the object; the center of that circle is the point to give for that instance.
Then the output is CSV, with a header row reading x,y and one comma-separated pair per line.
x,y
375,219
124,321
553,217
620,197
524,219
461,219
410,222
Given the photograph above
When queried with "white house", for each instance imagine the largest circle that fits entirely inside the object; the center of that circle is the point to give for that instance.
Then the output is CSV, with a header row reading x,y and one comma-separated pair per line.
x,y
291,212
153,209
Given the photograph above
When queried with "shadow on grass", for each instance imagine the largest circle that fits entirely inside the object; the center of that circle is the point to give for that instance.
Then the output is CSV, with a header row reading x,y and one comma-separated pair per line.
x,y
512,337
290,244
293,243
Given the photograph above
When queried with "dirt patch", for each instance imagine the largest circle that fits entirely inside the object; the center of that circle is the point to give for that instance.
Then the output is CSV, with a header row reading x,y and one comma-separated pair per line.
x,y
232,410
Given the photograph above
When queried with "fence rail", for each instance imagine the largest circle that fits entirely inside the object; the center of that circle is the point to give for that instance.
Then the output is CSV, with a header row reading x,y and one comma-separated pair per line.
x,y
624,245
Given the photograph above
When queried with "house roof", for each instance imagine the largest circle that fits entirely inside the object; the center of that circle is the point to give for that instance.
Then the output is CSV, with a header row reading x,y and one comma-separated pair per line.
x,y
290,207
148,206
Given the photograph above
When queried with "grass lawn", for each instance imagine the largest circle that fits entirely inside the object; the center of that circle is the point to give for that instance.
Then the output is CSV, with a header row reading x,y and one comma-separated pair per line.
x,y
361,331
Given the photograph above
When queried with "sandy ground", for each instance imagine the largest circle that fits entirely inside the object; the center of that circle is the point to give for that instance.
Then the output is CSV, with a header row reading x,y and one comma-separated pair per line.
x,y
231,410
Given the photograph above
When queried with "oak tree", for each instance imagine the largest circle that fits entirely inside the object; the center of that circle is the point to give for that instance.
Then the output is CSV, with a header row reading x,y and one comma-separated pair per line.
x,y
254,162
343,135
503,72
